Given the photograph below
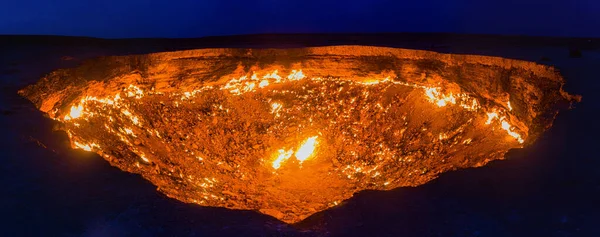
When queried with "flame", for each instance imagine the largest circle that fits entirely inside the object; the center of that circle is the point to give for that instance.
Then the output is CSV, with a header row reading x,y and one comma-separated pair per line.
x,y
246,84
85,147
371,82
263,83
302,153
491,116
253,82
283,156
306,149
129,131
273,75
115,116
134,91
296,75
144,158
504,125
441,100
76,112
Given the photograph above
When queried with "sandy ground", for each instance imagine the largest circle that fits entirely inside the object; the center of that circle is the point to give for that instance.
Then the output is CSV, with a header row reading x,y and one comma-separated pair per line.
x,y
549,189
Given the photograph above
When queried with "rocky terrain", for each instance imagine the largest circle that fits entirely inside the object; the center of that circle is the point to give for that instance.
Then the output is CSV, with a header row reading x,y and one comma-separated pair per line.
x,y
213,126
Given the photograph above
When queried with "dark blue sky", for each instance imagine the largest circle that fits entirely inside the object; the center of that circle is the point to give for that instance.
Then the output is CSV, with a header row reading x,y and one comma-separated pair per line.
x,y
194,18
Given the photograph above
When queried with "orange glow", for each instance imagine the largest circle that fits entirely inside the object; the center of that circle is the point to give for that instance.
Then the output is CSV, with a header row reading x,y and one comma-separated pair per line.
x,y
289,133
245,84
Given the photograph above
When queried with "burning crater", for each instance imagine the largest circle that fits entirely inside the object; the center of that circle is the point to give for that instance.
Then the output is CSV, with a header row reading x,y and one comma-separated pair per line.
x,y
290,132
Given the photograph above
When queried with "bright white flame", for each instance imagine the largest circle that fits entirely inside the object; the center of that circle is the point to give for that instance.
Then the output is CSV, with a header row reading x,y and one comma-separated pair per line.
x,y
296,75
76,112
491,116
135,91
504,125
306,149
144,158
283,156
263,83
273,75
441,103
86,147
83,146
129,131
432,93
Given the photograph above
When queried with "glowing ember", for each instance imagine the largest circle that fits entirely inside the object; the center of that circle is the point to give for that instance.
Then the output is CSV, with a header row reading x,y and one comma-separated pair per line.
x,y
225,135
275,107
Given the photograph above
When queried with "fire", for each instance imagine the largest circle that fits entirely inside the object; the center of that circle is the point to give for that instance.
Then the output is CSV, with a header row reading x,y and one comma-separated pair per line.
x,y
302,153
273,75
436,97
83,146
296,75
144,158
491,116
504,125
134,91
283,156
234,132
76,112
263,83
250,83
306,149
86,147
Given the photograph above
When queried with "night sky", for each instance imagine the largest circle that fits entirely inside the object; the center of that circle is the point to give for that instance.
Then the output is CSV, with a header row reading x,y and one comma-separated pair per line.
x,y
196,18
